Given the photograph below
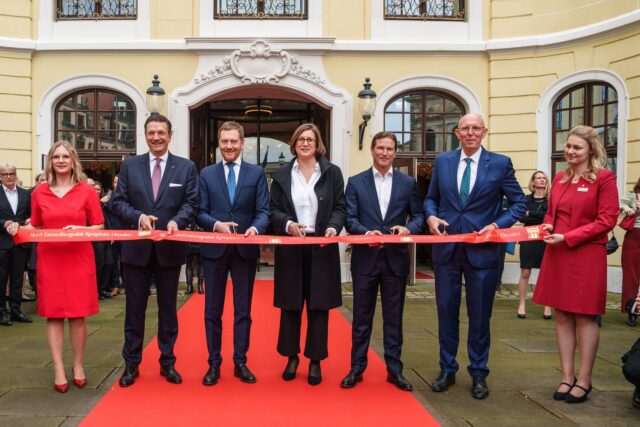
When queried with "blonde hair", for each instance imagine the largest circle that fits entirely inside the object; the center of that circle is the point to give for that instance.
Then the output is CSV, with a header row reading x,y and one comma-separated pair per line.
x,y
76,174
547,187
597,158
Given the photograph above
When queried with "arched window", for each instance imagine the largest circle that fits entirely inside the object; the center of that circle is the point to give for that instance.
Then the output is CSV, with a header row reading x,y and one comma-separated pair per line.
x,y
100,123
593,104
424,122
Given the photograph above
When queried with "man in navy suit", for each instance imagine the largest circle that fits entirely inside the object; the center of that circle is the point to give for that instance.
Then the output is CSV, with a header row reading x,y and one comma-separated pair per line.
x,y
234,198
15,210
156,190
465,196
380,201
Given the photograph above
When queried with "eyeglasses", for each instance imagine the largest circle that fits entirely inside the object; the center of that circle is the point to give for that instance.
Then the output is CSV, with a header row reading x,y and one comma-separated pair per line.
x,y
303,140
8,174
474,129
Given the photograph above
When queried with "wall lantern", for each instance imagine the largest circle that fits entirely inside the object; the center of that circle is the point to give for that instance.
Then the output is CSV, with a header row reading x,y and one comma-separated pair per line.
x,y
366,105
155,96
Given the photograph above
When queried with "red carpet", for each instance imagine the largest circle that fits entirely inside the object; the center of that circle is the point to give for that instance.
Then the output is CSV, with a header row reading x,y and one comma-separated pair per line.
x,y
421,275
151,401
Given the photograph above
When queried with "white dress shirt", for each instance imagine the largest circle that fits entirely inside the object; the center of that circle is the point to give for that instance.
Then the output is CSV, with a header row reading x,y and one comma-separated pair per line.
x,y
163,163
383,188
12,196
475,160
304,198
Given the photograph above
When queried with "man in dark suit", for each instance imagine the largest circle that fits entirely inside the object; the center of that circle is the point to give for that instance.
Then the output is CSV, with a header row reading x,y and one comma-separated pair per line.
x,y
15,209
380,201
156,190
234,198
465,196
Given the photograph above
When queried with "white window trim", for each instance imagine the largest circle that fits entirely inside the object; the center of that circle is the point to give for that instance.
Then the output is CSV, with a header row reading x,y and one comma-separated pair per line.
x,y
49,29
545,109
469,99
45,120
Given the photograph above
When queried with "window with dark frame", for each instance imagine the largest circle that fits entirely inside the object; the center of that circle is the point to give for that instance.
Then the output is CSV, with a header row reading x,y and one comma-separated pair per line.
x,y
439,10
99,123
424,122
96,9
593,104
261,9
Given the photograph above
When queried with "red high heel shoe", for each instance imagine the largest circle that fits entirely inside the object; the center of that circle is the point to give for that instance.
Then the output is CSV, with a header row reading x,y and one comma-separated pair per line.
x,y
61,388
79,383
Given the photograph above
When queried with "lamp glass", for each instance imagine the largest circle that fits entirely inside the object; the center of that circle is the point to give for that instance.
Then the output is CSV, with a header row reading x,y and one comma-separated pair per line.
x,y
367,105
155,102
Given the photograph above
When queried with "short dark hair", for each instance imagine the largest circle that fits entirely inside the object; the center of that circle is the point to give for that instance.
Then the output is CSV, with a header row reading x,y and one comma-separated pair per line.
x,y
321,150
231,125
382,135
157,118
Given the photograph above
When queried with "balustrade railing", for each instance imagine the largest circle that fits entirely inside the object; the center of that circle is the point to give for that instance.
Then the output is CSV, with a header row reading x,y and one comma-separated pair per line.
x,y
445,10
260,9
96,9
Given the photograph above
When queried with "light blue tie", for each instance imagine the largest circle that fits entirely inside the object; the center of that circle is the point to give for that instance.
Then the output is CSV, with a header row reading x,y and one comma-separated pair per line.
x,y
231,181
465,184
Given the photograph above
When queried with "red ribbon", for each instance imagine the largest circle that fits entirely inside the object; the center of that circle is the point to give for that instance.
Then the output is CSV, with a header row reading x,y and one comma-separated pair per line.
x,y
515,234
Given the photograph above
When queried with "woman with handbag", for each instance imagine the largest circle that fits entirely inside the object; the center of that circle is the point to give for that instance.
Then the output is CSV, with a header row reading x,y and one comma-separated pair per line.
x,y
629,204
583,208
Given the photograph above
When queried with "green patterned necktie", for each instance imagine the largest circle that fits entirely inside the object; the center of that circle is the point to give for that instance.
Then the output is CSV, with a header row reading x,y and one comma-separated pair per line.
x,y
465,184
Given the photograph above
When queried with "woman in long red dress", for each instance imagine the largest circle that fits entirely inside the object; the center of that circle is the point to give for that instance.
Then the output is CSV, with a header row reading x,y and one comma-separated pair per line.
x,y
583,208
66,271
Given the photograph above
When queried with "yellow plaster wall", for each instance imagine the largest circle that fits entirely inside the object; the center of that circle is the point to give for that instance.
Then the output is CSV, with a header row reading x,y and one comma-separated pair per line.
x,y
348,20
349,71
519,18
15,112
15,19
170,20
175,70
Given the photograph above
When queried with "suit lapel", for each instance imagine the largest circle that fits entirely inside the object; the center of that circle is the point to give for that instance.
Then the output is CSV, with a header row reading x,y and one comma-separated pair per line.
x,y
286,183
219,173
144,159
373,193
453,175
169,170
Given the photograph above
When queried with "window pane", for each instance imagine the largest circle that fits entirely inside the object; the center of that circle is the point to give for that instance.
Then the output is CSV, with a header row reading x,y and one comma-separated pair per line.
x,y
123,103
66,120
612,164
435,104
597,116
66,136
562,120
106,120
413,103
611,136
434,142
412,122
434,123
561,139
451,121
559,166
107,140
84,141
577,98
127,140
599,94
395,106
126,120
451,107
612,113
106,101
577,117
564,102
452,142
393,122
79,101
409,142
612,94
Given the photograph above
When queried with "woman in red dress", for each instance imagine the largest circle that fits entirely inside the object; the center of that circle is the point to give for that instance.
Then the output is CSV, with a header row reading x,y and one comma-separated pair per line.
x,y
583,208
66,271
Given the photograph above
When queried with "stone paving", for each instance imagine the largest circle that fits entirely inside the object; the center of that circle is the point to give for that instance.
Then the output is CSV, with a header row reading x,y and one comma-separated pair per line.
x,y
523,362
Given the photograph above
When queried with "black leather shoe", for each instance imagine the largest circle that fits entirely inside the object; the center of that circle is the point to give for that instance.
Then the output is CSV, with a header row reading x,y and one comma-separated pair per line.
x,y
352,378
560,395
212,376
106,294
443,382
200,287
5,320
246,376
400,381
635,400
315,373
21,317
291,368
189,288
171,374
129,376
570,398
479,389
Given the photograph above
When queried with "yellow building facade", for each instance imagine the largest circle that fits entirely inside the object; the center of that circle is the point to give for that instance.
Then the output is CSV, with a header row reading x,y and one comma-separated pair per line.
x,y
79,70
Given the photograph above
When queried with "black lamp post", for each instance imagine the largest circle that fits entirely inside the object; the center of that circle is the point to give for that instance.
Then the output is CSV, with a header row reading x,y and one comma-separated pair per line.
x,y
155,96
366,105
281,159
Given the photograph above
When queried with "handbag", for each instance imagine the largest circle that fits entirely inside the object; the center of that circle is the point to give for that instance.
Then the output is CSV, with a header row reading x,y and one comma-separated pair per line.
x,y
612,245
628,222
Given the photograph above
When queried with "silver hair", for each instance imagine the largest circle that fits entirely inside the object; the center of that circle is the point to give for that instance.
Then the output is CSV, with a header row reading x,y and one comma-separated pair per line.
x,y
8,165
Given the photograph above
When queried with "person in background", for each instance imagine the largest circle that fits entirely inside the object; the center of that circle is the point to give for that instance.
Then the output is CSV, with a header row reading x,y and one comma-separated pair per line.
x,y
194,265
103,253
113,223
66,270
31,260
583,208
629,205
531,253
307,199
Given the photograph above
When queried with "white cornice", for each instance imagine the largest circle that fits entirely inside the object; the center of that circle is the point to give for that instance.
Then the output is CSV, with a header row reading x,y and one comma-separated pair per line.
x,y
8,43
227,43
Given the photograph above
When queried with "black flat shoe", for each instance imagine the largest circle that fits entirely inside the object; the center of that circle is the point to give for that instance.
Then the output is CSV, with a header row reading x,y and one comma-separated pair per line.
x,y
291,368
560,395
546,316
522,316
315,373
570,398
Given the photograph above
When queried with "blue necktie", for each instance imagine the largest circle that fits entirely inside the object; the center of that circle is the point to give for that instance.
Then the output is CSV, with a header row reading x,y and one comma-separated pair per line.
x,y
465,184
231,181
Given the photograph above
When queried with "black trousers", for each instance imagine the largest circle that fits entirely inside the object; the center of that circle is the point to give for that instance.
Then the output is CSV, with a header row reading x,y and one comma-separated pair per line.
x,y
137,281
12,263
316,347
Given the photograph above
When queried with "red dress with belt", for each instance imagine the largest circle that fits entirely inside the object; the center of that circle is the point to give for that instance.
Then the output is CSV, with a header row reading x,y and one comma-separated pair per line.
x,y
573,275
67,286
